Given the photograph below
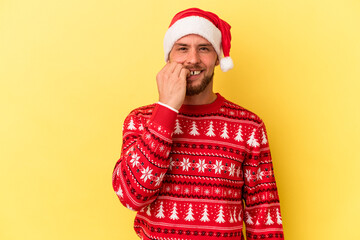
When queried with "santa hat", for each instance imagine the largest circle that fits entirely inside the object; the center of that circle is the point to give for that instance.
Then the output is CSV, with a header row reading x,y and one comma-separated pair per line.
x,y
206,24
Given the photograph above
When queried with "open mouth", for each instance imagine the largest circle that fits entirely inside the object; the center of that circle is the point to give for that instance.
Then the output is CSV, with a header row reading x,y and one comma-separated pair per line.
x,y
192,73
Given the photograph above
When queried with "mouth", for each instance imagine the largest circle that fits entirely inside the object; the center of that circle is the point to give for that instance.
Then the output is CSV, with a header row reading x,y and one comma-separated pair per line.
x,y
193,73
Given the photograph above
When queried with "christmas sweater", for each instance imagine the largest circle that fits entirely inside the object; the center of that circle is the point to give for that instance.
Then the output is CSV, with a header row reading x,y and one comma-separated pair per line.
x,y
198,174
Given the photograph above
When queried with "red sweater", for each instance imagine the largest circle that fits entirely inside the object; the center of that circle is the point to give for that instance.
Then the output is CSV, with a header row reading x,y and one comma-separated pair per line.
x,y
198,174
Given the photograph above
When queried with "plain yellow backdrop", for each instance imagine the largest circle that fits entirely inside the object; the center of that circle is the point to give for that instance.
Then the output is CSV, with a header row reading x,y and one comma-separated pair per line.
x,y
71,70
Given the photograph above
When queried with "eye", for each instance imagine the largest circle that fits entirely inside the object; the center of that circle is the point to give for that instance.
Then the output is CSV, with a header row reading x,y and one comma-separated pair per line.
x,y
204,49
182,49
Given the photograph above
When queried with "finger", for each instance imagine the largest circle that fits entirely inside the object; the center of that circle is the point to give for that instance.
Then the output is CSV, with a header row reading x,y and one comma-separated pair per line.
x,y
165,68
171,66
164,72
184,73
177,69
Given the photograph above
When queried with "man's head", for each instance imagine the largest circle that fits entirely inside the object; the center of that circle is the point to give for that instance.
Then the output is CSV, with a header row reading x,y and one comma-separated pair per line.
x,y
205,24
199,56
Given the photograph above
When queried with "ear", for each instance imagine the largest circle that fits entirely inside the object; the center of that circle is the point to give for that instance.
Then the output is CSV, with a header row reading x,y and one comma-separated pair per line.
x,y
217,61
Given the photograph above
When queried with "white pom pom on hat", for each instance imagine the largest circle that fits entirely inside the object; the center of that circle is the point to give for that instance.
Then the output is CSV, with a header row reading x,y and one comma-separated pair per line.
x,y
226,64
203,23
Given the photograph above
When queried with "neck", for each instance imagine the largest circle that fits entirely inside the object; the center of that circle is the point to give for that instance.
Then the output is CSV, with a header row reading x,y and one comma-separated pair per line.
x,y
205,97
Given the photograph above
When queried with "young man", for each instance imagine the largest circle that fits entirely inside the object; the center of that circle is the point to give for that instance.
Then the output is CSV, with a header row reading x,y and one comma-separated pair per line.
x,y
195,165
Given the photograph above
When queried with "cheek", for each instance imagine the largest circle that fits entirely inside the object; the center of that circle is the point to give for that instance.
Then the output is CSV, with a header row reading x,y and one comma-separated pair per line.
x,y
210,61
210,64
177,58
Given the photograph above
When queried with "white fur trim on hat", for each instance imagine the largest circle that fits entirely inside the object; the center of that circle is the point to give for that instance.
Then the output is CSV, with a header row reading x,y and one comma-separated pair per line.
x,y
192,25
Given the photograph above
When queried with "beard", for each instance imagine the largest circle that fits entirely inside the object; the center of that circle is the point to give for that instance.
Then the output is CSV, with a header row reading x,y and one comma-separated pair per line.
x,y
194,90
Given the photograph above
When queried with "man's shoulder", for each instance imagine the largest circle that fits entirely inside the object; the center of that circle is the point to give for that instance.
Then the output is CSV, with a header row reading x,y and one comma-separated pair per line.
x,y
234,109
143,111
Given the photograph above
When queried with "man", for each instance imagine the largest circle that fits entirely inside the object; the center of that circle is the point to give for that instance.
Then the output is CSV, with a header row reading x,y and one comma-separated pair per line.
x,y
195,165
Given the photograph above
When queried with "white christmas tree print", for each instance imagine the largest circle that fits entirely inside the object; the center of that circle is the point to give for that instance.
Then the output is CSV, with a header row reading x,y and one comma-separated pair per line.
x,y
210,131
235,215
278,217
248,218
220,215
238,136
239,218
174,215
205,215
189,215
264,139
160,213
231,217
178,128
258,218
194,129
148,210
269,220
252,140
224,133
131,125
120,192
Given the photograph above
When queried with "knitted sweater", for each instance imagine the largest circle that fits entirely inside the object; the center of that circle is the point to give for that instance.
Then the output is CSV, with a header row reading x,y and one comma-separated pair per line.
x,y
198,174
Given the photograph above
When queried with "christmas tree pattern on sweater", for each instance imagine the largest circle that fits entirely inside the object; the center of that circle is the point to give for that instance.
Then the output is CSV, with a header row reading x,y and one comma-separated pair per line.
x,y
188,174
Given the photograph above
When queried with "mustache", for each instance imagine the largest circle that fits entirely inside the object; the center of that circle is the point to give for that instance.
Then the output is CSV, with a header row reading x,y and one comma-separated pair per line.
x,y
193,67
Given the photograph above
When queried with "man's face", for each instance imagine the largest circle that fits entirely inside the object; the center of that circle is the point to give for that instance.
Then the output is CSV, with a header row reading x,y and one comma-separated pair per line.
x,y
199,56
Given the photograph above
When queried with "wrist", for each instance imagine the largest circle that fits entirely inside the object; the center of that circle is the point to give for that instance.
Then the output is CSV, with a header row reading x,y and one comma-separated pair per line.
x,y
169,107
173,105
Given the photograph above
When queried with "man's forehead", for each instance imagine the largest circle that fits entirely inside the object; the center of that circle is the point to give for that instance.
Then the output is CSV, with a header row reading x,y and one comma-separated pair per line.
x,y
192,39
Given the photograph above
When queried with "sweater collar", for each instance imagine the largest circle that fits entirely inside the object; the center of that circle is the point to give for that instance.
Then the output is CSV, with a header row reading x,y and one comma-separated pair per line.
x,y
206,108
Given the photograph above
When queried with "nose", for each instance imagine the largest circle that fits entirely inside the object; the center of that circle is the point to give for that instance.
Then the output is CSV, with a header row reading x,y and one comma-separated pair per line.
x,y
193,57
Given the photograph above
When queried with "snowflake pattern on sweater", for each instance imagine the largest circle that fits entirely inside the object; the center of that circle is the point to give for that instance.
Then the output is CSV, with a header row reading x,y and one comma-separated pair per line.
x,y
188,174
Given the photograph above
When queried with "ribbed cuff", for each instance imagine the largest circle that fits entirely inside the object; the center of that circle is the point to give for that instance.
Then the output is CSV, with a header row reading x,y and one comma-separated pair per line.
x,y
165,105
164,116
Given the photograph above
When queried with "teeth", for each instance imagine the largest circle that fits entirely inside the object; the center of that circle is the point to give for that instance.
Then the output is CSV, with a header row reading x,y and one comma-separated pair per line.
x,y
194,72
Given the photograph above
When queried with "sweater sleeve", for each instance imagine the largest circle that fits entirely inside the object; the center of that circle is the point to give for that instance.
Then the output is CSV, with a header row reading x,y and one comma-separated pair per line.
x,y
144,159
262,208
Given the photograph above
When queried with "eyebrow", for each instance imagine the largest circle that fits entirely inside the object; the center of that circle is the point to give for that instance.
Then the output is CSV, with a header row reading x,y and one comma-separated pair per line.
x,y
200,45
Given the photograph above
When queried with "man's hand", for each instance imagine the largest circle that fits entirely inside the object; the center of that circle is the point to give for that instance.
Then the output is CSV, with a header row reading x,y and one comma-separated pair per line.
x,y
171,82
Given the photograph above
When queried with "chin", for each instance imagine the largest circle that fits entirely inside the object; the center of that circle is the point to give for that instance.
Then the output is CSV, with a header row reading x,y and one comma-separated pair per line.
x,y
192,89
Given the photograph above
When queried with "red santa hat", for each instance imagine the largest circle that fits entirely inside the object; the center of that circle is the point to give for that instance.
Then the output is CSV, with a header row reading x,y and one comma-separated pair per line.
x,y
203,23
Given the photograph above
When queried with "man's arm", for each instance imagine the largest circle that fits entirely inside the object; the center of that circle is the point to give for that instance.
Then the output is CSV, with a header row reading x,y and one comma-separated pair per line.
x,y
262,208
144,160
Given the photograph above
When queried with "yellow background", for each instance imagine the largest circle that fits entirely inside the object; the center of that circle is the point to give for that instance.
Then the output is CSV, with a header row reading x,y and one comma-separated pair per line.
x,y
71,70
